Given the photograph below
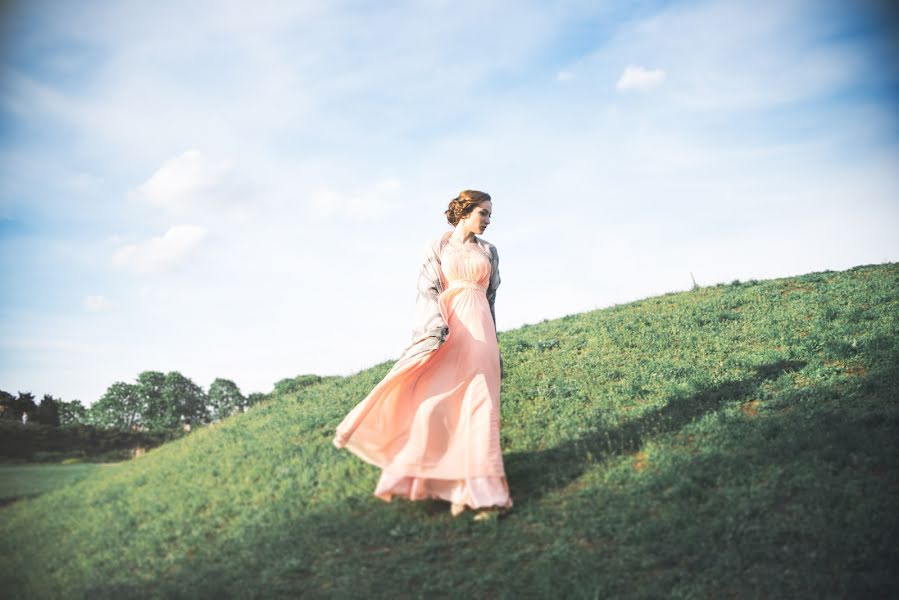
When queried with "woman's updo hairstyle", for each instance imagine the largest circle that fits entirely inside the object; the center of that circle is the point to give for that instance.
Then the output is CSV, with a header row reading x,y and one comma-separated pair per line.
x,y
463,204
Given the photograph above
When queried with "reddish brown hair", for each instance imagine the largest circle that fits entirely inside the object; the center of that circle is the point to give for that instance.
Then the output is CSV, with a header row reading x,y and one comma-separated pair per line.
x,y
463,204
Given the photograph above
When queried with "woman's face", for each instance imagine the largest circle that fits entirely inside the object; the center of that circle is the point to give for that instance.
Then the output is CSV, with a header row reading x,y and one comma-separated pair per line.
x,y
479,218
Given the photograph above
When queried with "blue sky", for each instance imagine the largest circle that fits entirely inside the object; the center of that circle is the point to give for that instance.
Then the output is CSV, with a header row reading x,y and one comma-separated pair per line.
x,y
245,190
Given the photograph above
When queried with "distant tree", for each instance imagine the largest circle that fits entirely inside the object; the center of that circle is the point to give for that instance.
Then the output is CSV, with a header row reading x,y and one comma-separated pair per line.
x,y
225,398
187,399
7,405
120,407
25,404
48,411
255,398
155,413
290,385
72,412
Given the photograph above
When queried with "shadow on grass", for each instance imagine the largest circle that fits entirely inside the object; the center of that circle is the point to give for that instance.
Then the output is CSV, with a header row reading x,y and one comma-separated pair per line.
x,y
13,499
533,474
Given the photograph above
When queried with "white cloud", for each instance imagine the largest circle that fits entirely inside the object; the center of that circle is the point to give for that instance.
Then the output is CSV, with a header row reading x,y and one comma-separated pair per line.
x,y
95,303
638,78
731,56
188,179
160,252
564,76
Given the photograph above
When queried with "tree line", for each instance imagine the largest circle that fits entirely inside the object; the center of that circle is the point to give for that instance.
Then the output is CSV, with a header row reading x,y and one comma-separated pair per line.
x,y
156,401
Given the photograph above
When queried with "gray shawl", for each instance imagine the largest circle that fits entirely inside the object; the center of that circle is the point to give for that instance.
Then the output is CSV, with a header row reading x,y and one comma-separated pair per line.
x,y
430,329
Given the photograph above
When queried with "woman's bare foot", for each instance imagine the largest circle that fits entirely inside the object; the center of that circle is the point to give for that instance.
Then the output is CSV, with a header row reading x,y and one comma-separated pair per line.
x,y
485,514
456,509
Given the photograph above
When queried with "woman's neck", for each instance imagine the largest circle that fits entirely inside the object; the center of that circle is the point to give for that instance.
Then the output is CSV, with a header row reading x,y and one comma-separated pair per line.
x,y
461,236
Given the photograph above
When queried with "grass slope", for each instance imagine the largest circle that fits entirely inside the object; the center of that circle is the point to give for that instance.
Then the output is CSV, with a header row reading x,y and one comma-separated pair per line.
x,y
732,441
22,480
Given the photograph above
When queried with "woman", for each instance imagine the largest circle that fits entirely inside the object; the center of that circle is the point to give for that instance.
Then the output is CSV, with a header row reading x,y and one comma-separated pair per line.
x,y
432,424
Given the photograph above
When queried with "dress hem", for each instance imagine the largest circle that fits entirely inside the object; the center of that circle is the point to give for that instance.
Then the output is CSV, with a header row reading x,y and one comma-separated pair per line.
x,y
474,492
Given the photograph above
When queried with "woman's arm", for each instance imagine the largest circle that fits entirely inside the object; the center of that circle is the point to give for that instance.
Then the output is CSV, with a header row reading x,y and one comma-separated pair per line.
x,y
491,295
429,321
430,329
494,283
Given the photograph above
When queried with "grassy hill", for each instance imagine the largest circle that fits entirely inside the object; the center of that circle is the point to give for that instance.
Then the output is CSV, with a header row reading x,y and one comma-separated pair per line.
x,y
733,441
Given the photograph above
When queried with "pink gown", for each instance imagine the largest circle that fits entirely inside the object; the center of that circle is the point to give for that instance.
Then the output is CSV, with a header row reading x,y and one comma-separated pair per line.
x,y
433,427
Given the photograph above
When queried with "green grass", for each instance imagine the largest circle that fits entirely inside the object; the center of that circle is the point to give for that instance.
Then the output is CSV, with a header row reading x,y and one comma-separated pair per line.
x,y
736,441
22,480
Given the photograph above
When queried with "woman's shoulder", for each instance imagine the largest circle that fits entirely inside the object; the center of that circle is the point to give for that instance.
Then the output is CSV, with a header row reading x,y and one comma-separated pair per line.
x,y
434,244
485,244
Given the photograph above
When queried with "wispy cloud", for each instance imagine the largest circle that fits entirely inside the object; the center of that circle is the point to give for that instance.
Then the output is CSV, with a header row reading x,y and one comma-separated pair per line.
x,y
190,179
160,252
362,203
639,78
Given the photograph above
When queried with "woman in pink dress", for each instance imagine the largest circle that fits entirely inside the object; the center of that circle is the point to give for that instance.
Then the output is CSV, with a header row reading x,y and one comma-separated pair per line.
x,y
432,424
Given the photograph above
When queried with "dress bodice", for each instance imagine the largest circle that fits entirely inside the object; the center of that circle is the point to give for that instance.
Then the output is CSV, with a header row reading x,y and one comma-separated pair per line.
x,y
465,262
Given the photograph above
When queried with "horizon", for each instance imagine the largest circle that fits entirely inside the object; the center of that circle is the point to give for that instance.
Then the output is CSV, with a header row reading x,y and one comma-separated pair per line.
x,y
544,320
246,193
